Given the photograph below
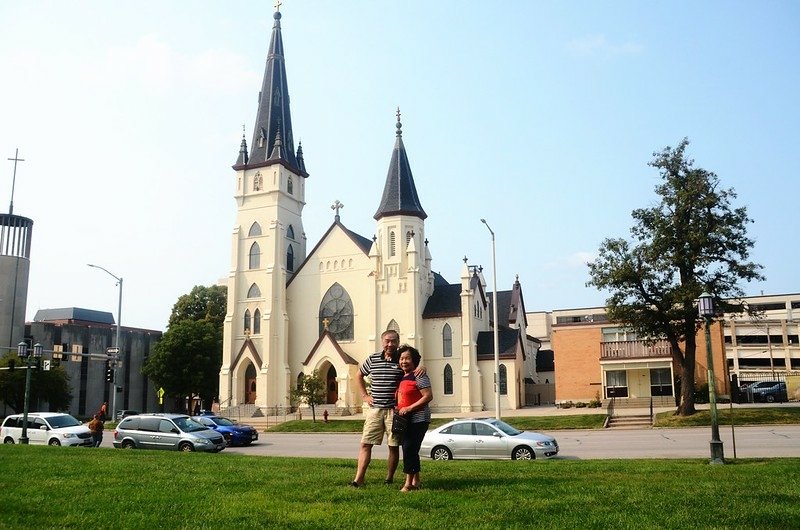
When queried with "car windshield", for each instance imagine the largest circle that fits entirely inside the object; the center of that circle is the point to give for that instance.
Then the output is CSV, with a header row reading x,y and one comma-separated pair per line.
x,y
189,425
225,422
505,427
65,420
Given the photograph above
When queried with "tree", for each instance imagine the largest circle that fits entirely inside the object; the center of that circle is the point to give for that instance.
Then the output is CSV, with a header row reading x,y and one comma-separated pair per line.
x,y
187,359
310,390
51,386
202,303
690,242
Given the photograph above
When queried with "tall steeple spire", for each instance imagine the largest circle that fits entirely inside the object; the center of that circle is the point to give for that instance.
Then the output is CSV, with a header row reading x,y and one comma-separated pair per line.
x,y
273,119
399,192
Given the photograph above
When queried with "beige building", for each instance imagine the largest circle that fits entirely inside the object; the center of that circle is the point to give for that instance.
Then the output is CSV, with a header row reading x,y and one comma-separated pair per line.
x,y
294,310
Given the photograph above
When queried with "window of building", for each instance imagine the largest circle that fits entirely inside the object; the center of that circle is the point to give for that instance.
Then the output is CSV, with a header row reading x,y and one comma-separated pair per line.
x,y
290,185
290,259
447,341
257,322
616,383
660,382
255,256
290,232
255,230
258,182
503,380
254,291
246,320
392,244
336,310
618,334
448,380
409,235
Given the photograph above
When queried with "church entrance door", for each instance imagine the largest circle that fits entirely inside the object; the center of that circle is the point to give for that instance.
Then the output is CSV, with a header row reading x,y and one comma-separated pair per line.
x,y
333,386
250,385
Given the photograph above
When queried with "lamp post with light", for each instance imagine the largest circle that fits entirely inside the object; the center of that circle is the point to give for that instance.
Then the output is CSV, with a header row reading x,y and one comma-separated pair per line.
x,y
116,339
705,306
495,328
28,355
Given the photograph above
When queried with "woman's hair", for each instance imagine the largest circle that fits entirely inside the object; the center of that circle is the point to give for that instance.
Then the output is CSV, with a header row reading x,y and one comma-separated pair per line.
x,y
415,356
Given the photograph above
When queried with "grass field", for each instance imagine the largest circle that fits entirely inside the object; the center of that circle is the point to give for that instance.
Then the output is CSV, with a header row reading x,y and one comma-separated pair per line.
x,y
43,487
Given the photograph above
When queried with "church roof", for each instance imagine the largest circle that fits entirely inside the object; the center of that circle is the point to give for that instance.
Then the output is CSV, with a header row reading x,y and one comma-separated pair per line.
x,y
399,192
360,241
503,307
507,339
74,314
444,302
272,135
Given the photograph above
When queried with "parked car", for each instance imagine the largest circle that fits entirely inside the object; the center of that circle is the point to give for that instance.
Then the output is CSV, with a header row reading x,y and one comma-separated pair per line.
x,y
477,438
234,433
122,414
769,391
177,432
51,428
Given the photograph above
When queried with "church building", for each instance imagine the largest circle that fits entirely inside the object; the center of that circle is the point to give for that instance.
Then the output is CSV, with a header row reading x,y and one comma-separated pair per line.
x,y
293,310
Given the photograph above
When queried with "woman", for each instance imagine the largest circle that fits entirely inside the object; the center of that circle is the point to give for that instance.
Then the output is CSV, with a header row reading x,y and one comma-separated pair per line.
x,y
96,426
413,396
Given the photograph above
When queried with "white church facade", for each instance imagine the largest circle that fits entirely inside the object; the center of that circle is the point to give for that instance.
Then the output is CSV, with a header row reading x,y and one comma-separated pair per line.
x,y
294,310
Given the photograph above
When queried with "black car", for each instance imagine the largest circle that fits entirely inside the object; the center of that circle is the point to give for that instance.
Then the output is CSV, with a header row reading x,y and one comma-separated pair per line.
x,y
769,391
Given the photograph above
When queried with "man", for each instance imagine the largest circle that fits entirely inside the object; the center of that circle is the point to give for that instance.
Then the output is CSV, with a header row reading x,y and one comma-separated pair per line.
x,y
386,374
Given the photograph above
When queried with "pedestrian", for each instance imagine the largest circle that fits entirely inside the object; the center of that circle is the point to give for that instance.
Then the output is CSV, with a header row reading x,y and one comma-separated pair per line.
x,y
103,410
413,395
385,372
96,427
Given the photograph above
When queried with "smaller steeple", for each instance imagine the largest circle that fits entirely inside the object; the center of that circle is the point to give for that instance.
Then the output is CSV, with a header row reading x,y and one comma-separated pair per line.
x,y
277,149
301,164
243,156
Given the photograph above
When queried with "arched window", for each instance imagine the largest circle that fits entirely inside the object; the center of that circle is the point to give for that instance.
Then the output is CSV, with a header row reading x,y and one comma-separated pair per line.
x,y
257,322
447,341
258,182
448,380
254,291
290,232
247,320
255,256
336,310
290,259
392,243
300,377
503,380
393,326
255,230
290,186
409,235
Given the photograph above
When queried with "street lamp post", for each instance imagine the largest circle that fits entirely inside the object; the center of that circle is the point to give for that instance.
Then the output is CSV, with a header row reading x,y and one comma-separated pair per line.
x,y
28,355
705,306
116,339
495,328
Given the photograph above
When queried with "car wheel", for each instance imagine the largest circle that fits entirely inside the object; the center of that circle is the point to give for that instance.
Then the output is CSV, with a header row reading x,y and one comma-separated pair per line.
x,y
770,399
9,440
441,452
523,452
186,447
127,444
54,443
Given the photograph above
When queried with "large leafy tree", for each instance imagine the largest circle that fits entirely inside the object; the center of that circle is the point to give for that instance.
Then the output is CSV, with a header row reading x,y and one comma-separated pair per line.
x,y
692,241
311,391
51,386
187,359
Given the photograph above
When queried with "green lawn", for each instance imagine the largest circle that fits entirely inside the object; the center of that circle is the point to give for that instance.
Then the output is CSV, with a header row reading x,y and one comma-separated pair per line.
x,y
45,487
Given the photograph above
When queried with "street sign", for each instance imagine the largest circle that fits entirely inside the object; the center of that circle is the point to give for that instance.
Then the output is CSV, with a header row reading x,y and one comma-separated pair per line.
x,y
46,365
112,351
160,394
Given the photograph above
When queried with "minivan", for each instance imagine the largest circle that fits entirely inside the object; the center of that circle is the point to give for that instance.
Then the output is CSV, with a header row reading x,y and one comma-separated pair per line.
x,y
51,428
176,432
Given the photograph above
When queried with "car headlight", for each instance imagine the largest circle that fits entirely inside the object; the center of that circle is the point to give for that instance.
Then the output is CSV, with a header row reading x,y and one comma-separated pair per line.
x,y
544,444
69,435
204,441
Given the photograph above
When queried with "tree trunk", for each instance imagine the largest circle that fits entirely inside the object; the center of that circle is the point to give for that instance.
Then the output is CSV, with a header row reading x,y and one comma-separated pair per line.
x,y
313,413
686,407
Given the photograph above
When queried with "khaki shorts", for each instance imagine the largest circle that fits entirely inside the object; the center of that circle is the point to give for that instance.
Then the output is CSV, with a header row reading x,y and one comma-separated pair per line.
x,y
377,423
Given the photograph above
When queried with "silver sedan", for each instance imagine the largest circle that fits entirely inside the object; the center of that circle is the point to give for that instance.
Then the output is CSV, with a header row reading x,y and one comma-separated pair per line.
x,y
478,438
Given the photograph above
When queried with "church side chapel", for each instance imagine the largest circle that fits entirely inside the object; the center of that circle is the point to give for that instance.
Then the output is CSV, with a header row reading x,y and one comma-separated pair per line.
x,y
292,311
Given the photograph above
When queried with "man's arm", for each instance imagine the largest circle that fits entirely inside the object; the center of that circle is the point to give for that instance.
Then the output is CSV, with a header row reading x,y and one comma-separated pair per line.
x,y
362,386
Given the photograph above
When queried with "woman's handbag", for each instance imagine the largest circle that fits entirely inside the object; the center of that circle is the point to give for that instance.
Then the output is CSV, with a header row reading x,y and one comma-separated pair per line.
x,y
399,423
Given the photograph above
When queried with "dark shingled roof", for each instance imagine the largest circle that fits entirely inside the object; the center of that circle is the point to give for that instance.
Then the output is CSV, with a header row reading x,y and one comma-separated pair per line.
x,y
508,340
545,361
399,192
273,119
74,313
444,302
503,307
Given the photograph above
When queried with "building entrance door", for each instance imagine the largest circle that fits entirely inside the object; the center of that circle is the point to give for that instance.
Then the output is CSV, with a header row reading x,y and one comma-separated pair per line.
x,y
250,385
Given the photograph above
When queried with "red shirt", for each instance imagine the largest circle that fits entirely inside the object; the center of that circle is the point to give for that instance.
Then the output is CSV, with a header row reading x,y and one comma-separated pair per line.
x,y
407,391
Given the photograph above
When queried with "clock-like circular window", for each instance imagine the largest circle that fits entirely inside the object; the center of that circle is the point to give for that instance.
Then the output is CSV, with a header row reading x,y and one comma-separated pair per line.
x,y
336,310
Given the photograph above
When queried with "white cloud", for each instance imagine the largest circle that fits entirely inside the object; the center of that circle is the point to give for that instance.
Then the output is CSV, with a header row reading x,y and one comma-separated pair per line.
x,y
598,46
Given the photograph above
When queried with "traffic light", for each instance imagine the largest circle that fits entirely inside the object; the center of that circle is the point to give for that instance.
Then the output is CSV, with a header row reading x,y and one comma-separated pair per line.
x,y
109,372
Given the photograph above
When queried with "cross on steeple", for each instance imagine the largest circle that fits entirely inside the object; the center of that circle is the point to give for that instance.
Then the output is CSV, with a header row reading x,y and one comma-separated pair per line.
x,y
278,5
14,179
337,206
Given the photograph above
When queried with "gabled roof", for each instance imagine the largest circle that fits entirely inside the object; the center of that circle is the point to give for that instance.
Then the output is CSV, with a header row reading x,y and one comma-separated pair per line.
x,y
508,340
399,193
444,302
503,307
360,241
74,314
327,335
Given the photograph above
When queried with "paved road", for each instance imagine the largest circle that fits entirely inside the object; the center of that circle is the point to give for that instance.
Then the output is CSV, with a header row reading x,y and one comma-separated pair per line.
x,y
751,442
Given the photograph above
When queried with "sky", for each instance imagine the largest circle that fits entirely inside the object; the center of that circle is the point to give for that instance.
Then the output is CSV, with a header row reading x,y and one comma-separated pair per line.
x,y
539,116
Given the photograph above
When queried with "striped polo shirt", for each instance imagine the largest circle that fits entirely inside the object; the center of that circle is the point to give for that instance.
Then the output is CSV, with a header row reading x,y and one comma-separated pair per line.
x,y
385,377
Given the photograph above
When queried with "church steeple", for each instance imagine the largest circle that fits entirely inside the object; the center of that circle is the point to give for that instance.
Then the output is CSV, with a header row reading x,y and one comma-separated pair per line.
x,y
399,192
273,120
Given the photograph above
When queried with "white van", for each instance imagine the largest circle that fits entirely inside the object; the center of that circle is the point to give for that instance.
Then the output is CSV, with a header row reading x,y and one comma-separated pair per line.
x,y
51,428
